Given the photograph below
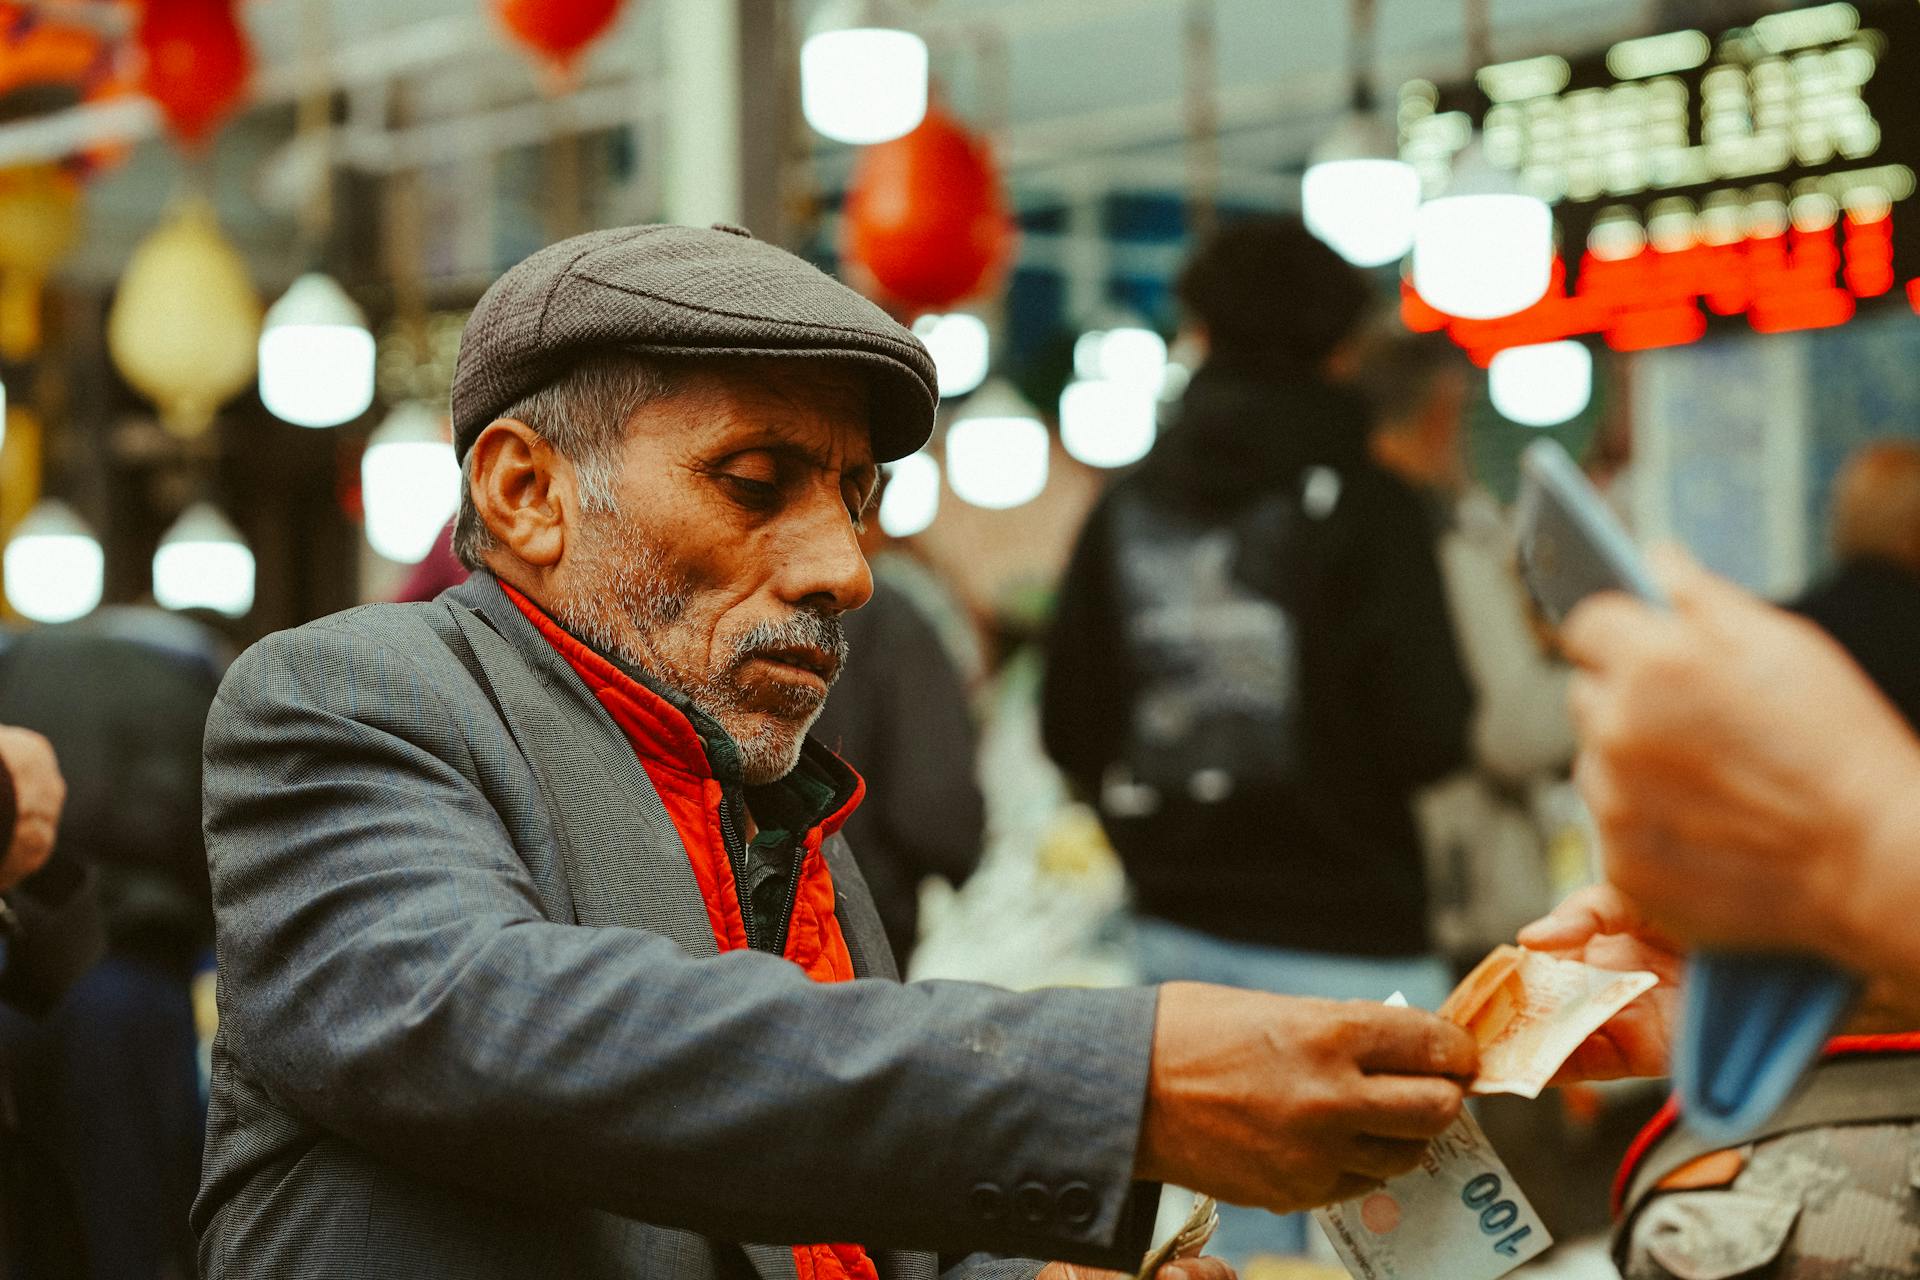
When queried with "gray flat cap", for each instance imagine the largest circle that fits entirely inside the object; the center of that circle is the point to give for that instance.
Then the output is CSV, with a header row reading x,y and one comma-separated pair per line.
x,y
683,291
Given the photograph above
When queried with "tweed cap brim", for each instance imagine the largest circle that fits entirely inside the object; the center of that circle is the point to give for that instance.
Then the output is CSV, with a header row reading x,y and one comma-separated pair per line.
x,y
682,292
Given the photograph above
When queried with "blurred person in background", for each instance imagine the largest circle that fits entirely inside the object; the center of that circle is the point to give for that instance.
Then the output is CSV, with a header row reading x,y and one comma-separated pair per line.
x,y
1487,828
899,715
1252,667
107,1082
1870,603
49,935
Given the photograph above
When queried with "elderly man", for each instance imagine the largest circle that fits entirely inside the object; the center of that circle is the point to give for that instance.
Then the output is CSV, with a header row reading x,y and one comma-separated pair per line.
x,y
539,955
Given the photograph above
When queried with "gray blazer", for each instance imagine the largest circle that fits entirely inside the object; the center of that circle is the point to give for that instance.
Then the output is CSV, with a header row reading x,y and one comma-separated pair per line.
x,y
473,1023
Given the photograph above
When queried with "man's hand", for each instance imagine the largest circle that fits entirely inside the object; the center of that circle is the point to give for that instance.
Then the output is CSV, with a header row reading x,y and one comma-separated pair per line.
x,y
1286,1103
1753,789
39,792
1598,926
1189,1269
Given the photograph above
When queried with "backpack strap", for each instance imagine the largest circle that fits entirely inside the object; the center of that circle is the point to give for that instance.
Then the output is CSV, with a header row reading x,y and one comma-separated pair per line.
x,y
1862,1080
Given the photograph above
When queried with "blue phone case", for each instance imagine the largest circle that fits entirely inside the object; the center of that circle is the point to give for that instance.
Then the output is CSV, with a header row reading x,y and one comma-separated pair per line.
x,y
1752,1023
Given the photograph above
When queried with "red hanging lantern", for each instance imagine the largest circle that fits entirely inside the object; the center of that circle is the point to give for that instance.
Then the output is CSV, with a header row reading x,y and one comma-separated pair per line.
x,y
927,217
557,31
198,62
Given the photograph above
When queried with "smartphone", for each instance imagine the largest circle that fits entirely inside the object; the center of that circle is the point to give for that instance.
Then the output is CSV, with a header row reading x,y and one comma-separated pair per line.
x,y
1751,1023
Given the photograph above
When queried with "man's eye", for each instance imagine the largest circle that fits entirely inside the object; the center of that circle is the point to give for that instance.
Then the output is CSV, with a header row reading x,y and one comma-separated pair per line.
x,y
752,489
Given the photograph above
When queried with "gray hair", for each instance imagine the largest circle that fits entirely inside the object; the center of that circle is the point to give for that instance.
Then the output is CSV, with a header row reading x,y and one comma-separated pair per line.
x,y
583,414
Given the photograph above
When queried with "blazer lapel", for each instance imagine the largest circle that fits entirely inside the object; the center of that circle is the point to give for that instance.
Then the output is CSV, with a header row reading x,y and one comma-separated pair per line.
x,y
860,925
624,861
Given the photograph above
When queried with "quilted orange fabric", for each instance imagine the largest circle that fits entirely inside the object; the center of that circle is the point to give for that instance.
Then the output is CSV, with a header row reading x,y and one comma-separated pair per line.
x,y
676,761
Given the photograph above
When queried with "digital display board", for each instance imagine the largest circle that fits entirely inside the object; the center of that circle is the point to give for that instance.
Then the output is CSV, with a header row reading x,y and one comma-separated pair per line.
x,y
1763,172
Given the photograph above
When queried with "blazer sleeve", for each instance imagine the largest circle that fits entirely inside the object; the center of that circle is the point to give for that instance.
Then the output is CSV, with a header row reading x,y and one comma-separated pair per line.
x,y
387,975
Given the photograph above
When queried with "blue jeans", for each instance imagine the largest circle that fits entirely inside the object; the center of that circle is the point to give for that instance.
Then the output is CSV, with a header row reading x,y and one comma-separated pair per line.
x,y
1169,953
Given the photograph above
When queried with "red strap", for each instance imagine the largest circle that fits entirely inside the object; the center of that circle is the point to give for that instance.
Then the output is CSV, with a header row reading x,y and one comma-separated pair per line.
x,y
1669,1114
675,759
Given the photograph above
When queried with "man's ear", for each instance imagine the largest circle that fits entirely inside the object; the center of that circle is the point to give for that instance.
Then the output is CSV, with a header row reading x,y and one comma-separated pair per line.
x,y
523,490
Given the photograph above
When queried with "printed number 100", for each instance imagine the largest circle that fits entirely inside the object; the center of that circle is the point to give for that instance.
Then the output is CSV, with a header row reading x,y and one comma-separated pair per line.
x,y
1496,1214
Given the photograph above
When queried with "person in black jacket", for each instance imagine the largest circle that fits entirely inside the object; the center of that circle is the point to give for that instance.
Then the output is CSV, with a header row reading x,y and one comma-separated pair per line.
x,y
104,1076
899,716
1251,668
1870,603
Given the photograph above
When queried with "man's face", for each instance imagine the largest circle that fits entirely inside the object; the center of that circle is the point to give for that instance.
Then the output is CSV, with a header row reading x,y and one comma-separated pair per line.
x,y
731,550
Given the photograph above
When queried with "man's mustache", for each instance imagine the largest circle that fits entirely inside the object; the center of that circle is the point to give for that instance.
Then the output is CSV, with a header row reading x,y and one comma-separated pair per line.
x,y
819,635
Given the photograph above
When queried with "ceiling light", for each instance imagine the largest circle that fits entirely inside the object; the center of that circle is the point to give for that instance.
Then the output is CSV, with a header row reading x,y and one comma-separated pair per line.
x,y
1105,423
1484,249
960,347
997,449
409,483
1542,385
861,82
203,563
55,570
912,498
316,356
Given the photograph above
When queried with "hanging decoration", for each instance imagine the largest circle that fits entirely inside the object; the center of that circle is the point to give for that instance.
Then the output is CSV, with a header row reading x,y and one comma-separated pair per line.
x,y
557,32
185,320
67,61
926,216
39,219
198,62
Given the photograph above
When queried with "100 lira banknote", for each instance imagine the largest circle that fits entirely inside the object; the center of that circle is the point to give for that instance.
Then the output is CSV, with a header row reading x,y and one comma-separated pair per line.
x,y
1458,1216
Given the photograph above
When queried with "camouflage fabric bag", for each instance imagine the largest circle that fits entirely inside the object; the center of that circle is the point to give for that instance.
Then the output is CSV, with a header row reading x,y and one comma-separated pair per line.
x,y
1830,1191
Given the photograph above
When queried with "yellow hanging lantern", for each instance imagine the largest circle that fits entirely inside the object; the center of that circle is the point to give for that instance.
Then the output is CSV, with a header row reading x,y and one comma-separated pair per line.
x,y
39,219
186,321
19,478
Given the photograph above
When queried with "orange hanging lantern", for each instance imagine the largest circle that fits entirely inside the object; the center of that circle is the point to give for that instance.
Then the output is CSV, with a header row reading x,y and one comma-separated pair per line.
x,y
71,62
557,31
926,216
198,62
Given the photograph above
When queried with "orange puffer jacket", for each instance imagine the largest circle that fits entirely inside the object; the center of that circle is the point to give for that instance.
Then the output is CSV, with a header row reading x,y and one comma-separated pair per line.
x,y
678,762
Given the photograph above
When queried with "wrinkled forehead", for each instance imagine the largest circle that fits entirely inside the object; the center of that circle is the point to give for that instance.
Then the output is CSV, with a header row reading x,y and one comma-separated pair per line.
x,y
817,403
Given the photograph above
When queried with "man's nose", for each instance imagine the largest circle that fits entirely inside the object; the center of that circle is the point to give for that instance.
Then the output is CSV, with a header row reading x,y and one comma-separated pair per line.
x,y
824,567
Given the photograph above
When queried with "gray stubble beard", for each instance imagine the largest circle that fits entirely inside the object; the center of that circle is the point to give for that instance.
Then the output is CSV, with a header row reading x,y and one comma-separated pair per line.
x,y
626,591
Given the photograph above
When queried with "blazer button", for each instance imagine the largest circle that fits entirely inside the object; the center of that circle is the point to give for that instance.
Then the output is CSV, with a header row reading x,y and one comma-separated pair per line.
x,y
1033,1202
1078,1204
989,1202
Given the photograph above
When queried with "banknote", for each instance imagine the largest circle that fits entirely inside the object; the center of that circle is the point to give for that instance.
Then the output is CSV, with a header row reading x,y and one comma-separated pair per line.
x,y
1528,1012
1188,1241
1458,1216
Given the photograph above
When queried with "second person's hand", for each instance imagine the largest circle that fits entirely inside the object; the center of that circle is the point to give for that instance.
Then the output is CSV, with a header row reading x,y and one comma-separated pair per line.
x,y
1599,926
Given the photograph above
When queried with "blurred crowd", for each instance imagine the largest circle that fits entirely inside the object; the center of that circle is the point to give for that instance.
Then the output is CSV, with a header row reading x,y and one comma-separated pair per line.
x,y
1293,726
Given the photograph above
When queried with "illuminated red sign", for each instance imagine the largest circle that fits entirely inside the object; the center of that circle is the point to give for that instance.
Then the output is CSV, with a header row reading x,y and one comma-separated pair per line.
x,y
1798,279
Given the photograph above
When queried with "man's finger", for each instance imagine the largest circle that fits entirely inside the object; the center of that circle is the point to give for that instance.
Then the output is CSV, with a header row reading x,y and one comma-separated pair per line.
x,y
1383,1157
1410,1042
1688,584
1409,1107
1603,627
1351,1185
1198,1269
1583,915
